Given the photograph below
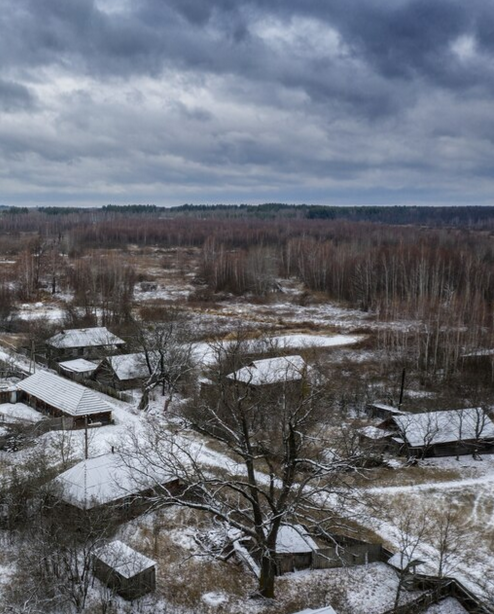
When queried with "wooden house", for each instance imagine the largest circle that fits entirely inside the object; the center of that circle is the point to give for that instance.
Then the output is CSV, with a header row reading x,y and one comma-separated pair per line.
x,y
123,371
61,398
444,433
272,372
82,343
113,480
127,572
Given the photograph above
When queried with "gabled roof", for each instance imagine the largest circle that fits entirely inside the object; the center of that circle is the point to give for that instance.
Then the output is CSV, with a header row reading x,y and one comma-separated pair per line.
x,y
84,337
272,371
124,560
65,395
293,539
429,428
129,366
79,365
108,478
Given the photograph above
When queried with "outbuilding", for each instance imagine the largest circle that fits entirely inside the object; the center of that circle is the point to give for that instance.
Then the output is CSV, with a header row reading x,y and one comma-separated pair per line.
x,y
129,573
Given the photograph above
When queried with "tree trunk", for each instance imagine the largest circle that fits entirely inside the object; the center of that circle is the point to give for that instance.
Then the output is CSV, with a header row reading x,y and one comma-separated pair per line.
x,y
268,573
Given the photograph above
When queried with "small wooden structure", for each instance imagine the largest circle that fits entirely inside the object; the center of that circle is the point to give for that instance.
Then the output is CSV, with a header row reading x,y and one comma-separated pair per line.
x,y
78,369
297,550
129,573
381,411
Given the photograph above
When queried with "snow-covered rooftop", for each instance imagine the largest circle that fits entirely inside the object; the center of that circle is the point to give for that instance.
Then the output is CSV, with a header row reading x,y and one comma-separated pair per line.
x,y
445,426
325,610
63,394
108,478
84,337
129,366
293,539
79,365
272,371
388,408
404,560
123,559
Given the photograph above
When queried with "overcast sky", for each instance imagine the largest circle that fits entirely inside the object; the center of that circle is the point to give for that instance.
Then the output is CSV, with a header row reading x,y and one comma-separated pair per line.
x,y
204,101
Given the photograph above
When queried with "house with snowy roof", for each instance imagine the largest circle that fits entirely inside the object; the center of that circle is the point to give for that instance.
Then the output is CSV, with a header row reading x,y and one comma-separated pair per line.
x,y
61,398
82,343
113,479
272,371
123,371
127,572
443,433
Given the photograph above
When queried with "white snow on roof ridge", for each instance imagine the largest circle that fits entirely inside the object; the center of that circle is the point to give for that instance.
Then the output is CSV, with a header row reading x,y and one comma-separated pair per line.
x,y
123,559
84,337
63,394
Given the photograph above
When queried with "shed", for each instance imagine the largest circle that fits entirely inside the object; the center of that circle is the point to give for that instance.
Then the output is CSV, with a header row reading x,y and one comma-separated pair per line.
x,y
59,397
78,369
83,343
112,479
123,569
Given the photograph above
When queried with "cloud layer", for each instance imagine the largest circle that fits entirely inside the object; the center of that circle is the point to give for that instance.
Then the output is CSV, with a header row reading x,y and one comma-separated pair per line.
x,y
172,101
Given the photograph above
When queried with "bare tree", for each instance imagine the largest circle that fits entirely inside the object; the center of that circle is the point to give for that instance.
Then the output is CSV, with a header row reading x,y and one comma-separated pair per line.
x,y
276,468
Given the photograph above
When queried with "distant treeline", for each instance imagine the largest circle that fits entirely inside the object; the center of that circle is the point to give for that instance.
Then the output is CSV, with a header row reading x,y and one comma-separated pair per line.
x,y
433,217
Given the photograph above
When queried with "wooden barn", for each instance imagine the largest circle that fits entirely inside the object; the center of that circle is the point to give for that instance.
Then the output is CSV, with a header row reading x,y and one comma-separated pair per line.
x,y
112,479
61,398
127,572
444,433
82,343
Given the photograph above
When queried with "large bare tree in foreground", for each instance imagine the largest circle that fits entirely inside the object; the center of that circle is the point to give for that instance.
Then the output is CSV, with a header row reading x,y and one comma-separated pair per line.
x,y
276,464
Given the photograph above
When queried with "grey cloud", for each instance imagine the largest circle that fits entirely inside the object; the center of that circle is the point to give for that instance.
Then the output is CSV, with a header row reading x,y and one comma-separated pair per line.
x,y
15,97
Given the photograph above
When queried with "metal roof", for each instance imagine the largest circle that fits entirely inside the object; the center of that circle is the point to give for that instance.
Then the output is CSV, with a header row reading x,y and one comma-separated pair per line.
x,y
65,395
84,337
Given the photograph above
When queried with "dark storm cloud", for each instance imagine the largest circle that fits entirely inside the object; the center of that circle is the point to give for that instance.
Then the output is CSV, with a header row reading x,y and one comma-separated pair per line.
x,y
382,94
15,97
